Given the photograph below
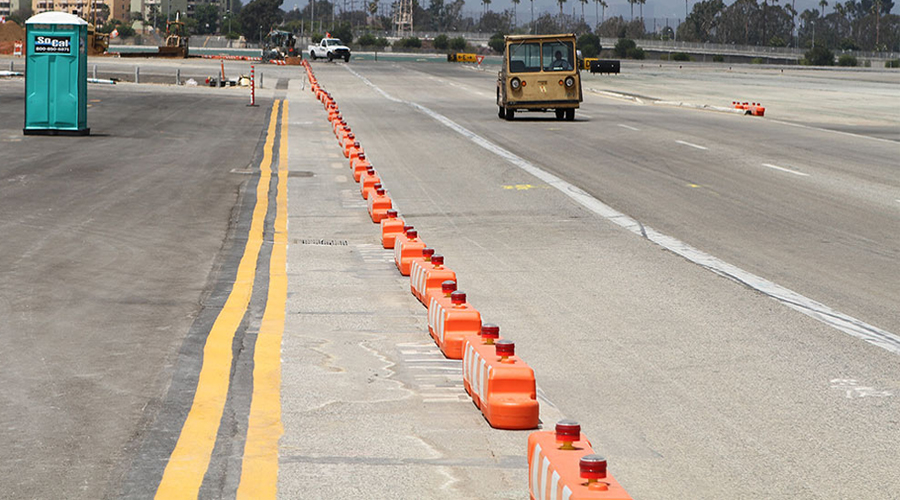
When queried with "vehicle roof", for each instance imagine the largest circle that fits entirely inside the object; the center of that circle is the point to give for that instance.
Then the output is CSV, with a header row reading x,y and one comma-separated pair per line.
x,y
518,38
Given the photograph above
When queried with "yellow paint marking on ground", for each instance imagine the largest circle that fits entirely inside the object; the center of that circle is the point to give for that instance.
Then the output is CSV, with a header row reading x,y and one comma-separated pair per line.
x,y
694,185
523,187
190,459
259,471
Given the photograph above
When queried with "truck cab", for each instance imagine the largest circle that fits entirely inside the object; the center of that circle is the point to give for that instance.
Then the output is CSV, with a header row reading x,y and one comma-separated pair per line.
x,y
329,48
539,73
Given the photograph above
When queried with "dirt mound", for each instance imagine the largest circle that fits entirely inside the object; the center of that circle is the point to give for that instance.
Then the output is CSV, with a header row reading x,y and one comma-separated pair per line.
x,y
10,32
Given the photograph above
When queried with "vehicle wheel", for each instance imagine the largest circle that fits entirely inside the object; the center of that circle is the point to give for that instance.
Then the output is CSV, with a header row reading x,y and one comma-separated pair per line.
x,y
330,57
570,114
560,114
312,55
347,58
510,114
502,112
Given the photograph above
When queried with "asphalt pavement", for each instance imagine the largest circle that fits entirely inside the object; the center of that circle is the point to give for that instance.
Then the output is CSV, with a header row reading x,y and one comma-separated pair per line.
x,y
631,255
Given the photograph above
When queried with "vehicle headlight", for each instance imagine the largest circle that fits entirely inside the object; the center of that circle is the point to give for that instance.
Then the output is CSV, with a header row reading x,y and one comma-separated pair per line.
x,y
515,84
570,81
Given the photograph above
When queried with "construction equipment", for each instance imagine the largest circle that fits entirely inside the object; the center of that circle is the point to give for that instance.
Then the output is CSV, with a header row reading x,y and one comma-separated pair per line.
x,y
98,43
281,46
176,39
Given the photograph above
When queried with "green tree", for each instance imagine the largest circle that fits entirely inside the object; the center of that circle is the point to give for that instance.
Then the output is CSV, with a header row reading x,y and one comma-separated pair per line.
x,y
589,44
458,43
623,46
497,42
702,22
207,16
259,16
441,42
819,55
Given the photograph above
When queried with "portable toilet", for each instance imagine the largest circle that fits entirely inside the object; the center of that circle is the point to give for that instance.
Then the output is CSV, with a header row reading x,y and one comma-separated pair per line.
x,y
56,75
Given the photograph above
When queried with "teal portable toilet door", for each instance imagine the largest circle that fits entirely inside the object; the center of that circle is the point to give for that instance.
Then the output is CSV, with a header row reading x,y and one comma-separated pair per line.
x,y
56,74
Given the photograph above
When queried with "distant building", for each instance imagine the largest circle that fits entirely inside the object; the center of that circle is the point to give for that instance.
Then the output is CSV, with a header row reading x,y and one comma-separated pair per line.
x,y
118,9
7,7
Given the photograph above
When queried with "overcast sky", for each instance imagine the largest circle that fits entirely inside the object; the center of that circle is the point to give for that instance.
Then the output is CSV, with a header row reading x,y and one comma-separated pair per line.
x,y
653,8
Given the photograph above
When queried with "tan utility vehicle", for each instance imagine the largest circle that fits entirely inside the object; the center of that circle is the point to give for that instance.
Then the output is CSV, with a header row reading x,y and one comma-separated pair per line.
x,y
539,73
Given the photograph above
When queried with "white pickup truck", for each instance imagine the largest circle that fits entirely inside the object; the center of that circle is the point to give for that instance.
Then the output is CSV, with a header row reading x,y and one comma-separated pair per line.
x,y
329,48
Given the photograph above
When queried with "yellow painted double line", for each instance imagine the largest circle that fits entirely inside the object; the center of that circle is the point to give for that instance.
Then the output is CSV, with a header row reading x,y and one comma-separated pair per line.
x,y
190,459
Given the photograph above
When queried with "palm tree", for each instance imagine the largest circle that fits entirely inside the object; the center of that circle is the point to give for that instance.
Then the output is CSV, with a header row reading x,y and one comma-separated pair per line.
x,y
641,3
532,17
515,17
632,2
583,3
560,2
604,5
823,4
485,3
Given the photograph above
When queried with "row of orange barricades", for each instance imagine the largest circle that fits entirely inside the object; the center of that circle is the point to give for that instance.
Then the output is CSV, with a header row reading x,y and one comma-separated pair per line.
x,y
500,383
751,108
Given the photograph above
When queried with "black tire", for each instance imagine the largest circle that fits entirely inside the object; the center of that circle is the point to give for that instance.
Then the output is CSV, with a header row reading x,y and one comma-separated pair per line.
x,y
560,114
312,55
570,114
330,57
347,58
502,112
510,114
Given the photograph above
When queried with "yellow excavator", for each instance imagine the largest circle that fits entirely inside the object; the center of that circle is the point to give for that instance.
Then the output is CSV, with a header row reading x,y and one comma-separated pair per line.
x,y
98,43
176,39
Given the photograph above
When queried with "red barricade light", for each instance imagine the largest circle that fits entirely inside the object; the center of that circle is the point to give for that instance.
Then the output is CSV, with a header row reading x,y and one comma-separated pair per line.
x,y
437,260
448,287
567,432
457,298
593,468
505,349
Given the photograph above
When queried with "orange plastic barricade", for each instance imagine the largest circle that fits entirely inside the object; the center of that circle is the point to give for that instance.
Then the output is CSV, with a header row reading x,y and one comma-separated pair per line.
x,y
379,203
426,276
348,144
360,166
367,183
420,263
406,248
500,383
757,109
451,321
355,153
391,226
562,465
339,127
353,149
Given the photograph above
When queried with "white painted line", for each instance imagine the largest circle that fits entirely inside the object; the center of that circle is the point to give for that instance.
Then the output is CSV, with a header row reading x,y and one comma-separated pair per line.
x,y
629,127
692,145
847,324
776,167
841,132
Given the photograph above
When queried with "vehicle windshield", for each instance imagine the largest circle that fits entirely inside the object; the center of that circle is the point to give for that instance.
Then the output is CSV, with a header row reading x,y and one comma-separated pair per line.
x,y
524,57
558,56
333,41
